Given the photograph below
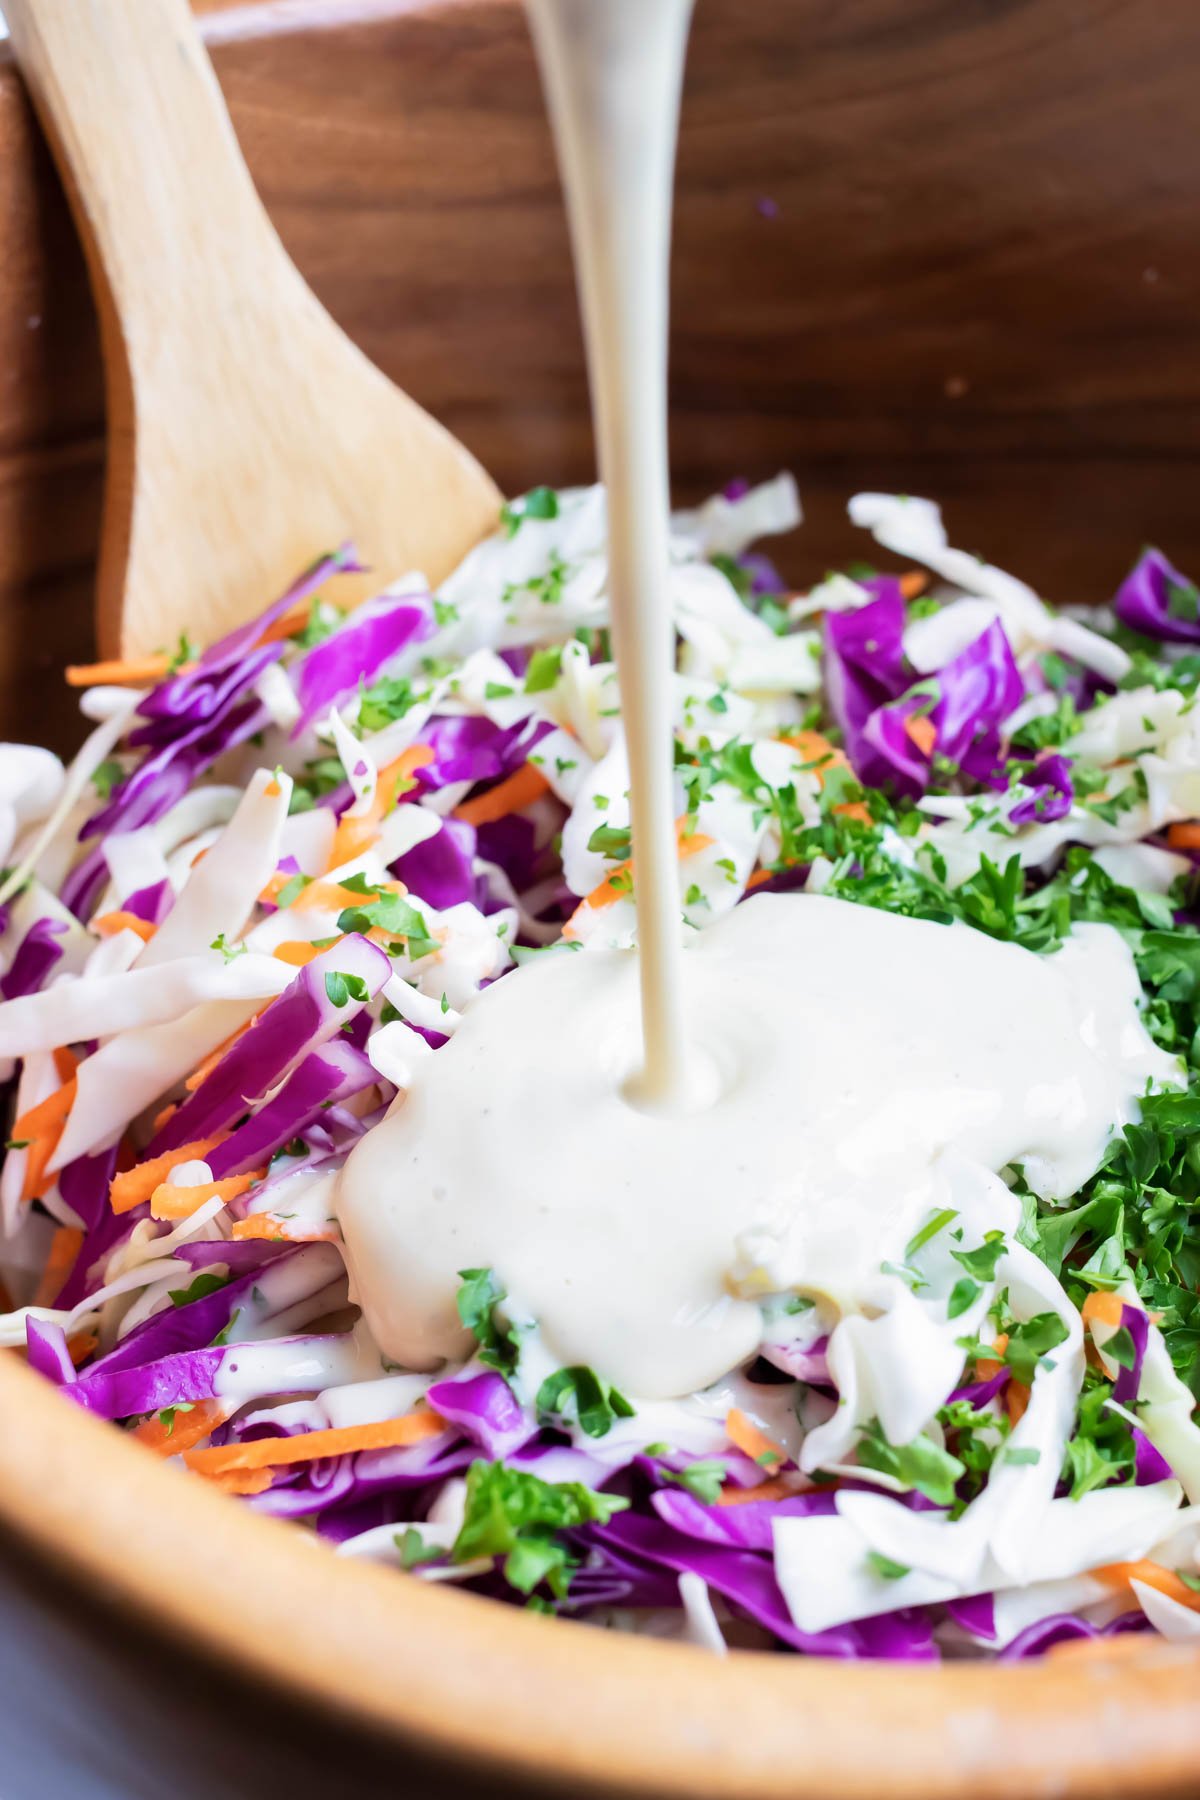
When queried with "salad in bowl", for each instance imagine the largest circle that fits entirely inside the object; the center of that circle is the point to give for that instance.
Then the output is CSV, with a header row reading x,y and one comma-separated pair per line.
x,y
287,870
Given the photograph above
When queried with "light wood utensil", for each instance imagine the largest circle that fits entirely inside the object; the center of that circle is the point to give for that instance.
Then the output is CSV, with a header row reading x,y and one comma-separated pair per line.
x,y
246,433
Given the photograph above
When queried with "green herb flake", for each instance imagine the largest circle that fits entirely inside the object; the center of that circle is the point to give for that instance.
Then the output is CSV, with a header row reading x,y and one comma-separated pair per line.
x,y
512,1514
885,1568
579,1394
342,988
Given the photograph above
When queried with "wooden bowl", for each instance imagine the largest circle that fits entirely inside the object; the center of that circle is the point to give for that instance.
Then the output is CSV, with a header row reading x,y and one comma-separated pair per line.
x,y
946,250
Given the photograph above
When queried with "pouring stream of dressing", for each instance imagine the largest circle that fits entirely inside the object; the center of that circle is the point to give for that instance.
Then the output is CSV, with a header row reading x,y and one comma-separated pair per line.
x,y
612,74
860,1058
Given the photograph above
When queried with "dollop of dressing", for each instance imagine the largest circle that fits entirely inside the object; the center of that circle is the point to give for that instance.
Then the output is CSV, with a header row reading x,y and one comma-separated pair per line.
x,y
852,1050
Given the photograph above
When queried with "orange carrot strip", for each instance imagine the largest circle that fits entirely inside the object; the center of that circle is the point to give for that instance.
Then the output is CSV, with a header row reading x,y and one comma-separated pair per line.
x,y
1183,837
132,671
752,1442
108,925
187,1428
757,879
779,1488
311,1446
48,1116
294,620
1016,1401
298,952
171,1202
248,1481
268,1225
330,896
80,1347
130,1188
42,1127
985,1368
617,883
354,835
163,1114
352,838
65,1246
922,731
1106,1307
1150,1574
815,748
64,1063
272,790
521,788
913,582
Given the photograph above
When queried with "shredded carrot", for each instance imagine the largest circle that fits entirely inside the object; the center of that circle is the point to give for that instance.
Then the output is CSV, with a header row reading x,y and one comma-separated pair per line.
x,y
352,838
48,1116
243,1481
922,731
521,788
1102,1306
620,880
163,1114
1150,1574
268,1225
41,1128
312,1446
358,833
131,671
752,1442
779,1488
186,1428
1183,837
132,1186
297,952
913,582
985,1368
330,896
108,925
294,620
80,1347
171,1202
1104,1309
757,879
64,1063
272,790
815,748
65,1246
1016,1401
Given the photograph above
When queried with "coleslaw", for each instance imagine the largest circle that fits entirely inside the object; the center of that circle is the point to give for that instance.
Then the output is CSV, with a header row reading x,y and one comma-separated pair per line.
x,y
281,870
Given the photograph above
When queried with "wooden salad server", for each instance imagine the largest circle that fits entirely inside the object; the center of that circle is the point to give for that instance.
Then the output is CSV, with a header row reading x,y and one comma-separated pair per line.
x,y
246,433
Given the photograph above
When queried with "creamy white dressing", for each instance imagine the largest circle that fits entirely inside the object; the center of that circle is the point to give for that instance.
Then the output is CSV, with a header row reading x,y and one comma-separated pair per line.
x,y
855,1048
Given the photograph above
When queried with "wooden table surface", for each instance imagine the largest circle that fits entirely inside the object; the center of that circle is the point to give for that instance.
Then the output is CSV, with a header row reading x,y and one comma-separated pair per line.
x,y
94,1706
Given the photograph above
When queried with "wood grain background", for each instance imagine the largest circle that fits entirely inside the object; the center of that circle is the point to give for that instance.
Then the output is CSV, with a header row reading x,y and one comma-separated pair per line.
x,y
947,246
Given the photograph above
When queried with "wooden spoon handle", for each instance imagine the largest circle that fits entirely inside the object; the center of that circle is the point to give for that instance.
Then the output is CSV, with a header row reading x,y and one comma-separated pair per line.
x,y
163,198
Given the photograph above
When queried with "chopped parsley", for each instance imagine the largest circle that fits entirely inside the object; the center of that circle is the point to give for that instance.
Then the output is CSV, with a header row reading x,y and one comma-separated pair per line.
x,y
480,1302
538,503
393,915
342,988
512,1514
580,1394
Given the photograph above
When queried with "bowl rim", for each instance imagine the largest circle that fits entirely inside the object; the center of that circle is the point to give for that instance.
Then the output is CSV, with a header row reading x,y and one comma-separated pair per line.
x,y
505,1691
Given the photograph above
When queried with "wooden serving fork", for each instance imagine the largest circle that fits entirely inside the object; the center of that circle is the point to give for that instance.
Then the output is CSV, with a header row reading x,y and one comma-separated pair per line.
x,y
246,433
